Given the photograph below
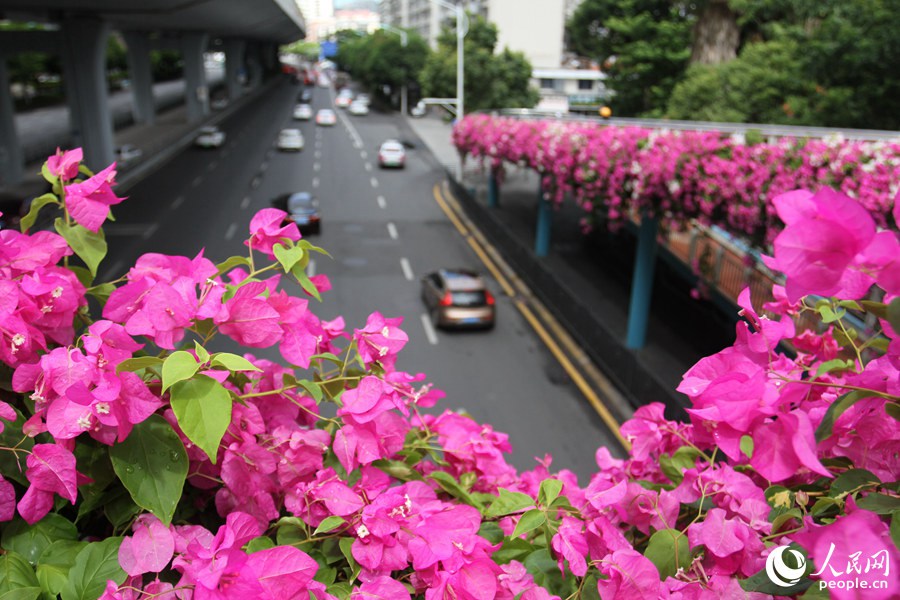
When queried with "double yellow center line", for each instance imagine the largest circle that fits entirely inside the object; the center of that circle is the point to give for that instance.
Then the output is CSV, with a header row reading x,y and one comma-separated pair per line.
x,y
528,305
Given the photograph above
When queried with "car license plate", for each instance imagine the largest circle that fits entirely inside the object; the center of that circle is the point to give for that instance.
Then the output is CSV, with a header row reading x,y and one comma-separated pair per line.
x,y
470,320
301,220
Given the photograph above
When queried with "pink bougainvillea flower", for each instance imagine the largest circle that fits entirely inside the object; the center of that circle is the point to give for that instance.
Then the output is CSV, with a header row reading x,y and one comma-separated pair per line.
x,y
282,572
64,164
88,202
784,446
570,544
267,228
149,550
381,588
824,232
380,340
7,500
630,575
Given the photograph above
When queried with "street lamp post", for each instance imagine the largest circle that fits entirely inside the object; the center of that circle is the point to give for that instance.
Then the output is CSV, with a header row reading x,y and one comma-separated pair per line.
x,y
404,38
460,62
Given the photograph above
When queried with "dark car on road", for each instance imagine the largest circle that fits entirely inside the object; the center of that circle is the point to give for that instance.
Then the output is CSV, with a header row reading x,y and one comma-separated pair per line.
x,y
458,298
303,209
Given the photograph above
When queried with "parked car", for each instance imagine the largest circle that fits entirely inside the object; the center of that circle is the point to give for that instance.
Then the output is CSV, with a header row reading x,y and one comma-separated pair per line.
x,y
290,140
303,209
392,154
303,112
127,154
458,298
419,109
358,108
326,117
210,137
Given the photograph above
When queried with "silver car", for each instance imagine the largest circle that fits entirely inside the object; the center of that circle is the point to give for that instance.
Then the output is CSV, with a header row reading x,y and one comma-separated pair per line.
x,y
458,298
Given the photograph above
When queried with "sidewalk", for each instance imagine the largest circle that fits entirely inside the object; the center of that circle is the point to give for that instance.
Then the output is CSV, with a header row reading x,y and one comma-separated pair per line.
x,y
586,281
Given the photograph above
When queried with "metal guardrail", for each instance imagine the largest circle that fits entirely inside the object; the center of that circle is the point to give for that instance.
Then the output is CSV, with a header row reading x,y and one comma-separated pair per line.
x,y
767,130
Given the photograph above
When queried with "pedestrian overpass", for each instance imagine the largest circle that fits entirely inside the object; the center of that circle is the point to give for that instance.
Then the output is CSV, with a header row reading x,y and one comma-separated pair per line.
x,y
247,31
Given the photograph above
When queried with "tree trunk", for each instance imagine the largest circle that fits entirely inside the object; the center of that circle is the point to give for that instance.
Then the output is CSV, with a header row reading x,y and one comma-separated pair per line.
x,y
716,34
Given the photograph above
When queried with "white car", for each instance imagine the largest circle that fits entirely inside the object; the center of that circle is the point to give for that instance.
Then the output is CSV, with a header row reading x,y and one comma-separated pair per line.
x,y
419,109
358,108
392,154
326,117
127,153
364,98
303,112
290,140
210,137
343,101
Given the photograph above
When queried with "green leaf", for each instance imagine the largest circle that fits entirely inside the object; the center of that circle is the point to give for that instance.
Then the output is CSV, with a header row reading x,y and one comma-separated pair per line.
x,y
782,518
288,258
30,541
94,566
329,524
290,531
299,273
152,465
12,437
674,466
879,309
89,246
837,408
549,491
513,549
893,314
881,504
346,543
232,362
119,508
15,572
850,304
138,363
26,593
854,479
838,364
37,204
53,567
262,542
202,354
398,469
230,263
668,549
761,583
893,410
101,292
50,177
203,409
829,315
178,366
509,502
340,590
747,446
530,521
450,485
312,388
491,532
823,505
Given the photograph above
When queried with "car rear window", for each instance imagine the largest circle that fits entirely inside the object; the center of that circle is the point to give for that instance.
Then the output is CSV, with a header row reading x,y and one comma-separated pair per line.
x,y
475,298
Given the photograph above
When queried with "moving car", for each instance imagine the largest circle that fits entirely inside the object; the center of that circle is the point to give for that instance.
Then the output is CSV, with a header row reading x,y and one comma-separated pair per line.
x,y
290,140
458,298
303,112
210,137
305,96
326,117
302,209
358,108
419,109
219,103
391,154
343,101
364,98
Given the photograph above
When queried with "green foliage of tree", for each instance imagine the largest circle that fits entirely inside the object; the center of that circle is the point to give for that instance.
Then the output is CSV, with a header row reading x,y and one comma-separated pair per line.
x,y
491,80
763,85
380,59
304,49
643,45
166,64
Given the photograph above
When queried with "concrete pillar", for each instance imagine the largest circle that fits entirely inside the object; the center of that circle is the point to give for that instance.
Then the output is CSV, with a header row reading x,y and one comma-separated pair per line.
x,y
140,72
84,63
642,283
196,92
12,162
493,189
544,223
254,66
270,58
234,64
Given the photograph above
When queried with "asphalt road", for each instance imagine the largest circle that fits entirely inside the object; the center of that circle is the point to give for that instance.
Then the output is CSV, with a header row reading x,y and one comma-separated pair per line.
x,y
384,231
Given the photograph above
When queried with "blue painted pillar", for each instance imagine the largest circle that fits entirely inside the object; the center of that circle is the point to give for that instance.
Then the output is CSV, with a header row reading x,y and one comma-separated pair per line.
x,y
642,283
544,222
493,189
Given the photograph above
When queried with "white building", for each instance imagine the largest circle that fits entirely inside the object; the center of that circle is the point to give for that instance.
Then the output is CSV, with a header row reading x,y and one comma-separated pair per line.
x,y
534,27
319,17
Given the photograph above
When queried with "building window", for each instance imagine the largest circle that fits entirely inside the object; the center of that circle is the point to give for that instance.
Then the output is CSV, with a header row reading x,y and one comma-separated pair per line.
x,y
548,84
585,84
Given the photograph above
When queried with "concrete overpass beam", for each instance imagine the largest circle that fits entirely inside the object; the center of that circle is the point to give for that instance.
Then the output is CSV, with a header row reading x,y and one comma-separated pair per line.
x,y
234,65
193,45
12,163
84,66
141,73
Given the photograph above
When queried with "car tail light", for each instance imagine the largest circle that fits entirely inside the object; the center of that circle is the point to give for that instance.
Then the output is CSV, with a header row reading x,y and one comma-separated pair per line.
x,y
314,218
489,298
446,300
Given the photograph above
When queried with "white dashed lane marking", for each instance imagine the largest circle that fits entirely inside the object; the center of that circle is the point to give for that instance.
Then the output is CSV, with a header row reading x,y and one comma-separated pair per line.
x,y
232,229
392,231
374,182
429,330
382,203
407,269
245,203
